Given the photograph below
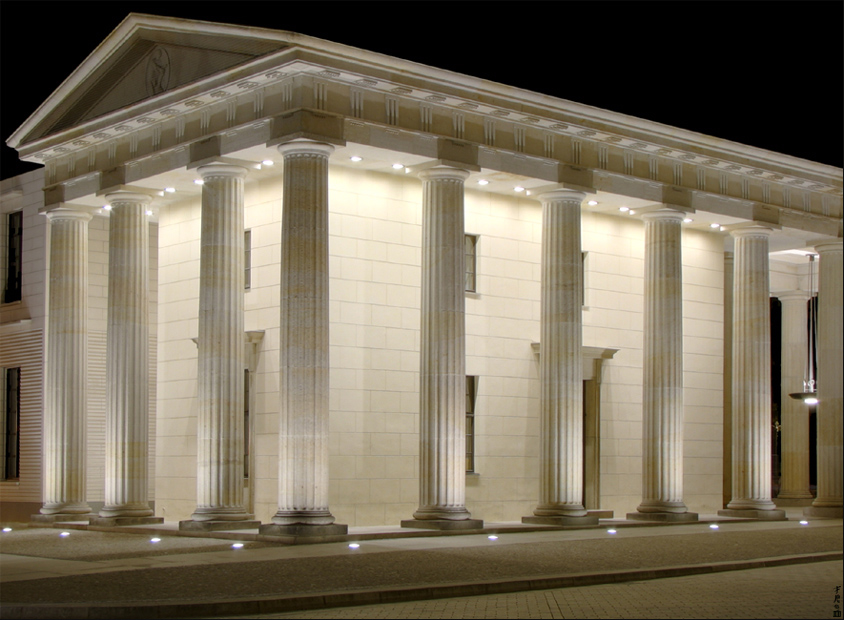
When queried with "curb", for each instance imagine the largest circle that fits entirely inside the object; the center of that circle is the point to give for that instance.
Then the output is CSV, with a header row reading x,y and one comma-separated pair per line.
x,y
281,604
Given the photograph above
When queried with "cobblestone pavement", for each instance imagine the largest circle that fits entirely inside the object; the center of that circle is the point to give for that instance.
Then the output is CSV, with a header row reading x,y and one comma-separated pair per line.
x,y
797,591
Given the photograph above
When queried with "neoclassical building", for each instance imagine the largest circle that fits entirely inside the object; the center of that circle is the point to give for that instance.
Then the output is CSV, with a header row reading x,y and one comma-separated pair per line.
x,y
266,280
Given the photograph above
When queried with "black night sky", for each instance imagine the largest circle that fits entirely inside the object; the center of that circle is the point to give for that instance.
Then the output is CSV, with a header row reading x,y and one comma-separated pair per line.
x,y
766,74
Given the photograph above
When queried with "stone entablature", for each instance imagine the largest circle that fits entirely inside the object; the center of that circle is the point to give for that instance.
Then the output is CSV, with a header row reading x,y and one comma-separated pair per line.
x,y
347,95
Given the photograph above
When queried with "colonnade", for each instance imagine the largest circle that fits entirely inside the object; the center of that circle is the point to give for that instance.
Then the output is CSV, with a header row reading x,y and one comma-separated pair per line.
x,y
304,366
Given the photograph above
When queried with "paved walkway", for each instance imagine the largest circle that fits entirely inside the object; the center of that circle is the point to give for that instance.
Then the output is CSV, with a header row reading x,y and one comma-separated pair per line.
x,y
794,591
117,575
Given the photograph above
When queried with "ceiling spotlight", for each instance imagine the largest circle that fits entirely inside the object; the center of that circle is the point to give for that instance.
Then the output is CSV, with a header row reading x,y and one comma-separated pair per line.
x,y
107,207
198,182
64,534
519,188
592,203
149,212
483,182
7,529
610,531
170,190
715,225
713,526
398,166
804,522
687,220
355,158
268,162
154,540
493,537
624,209
237,545
354,546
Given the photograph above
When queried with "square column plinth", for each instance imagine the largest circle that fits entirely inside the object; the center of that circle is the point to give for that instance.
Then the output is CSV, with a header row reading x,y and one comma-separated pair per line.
x,y
303,530
216,526
444,524
663,517
562,521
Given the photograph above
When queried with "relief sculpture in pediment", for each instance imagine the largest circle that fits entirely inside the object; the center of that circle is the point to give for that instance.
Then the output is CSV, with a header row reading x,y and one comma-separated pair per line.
x,y
158,71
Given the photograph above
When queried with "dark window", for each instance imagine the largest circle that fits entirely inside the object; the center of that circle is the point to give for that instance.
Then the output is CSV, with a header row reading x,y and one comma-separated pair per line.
x,y
247,256
11,423
470,245
246,423
12,290
471,394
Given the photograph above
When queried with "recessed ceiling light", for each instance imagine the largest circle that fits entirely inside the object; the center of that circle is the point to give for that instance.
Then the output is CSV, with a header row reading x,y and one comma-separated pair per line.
x,y
107,207
149,212
154,540
398,166
268,162
714,225
355,158
804,522
688,220
519,188
237,545
7,529
493,537
624,209
64,534
610,531
170,190
198,182
713,527
483,182
592,203
354,546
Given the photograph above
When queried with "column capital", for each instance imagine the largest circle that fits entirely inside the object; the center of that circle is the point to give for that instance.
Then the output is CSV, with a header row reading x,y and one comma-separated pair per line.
x,y
222,170
65,213
305,147
566,195
834,245
136,197
751,231
664,215
443,173
792,295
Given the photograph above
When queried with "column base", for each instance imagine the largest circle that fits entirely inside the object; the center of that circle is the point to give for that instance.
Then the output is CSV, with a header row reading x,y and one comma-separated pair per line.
x,y
303,530
825,512
663,517
39,520
562,521
120,521
749,513
791,502
444,524
216,526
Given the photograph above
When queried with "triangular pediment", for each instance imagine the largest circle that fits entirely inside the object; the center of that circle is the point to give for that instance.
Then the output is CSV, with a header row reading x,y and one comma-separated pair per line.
x,y
143,58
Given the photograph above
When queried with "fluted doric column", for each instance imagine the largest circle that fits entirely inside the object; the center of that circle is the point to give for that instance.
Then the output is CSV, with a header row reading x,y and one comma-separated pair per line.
x,y
560,363
67,367
442,390
751,480
794,483
662,398
828,502
221,356
127,360
303,431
